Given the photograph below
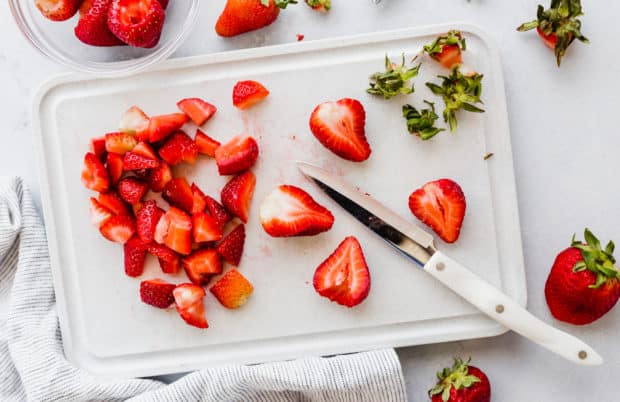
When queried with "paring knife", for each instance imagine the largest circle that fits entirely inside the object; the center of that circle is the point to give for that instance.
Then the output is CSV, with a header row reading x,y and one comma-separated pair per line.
x,y
418,246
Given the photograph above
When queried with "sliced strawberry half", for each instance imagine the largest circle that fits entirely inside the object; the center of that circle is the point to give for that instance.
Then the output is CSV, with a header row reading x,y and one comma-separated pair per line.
x,y
197,109
169,260
113,202
119,228
97,146
157,293
237,195
344,277
58,10
120,143
179,193
205,144
237,155
189,300
174,229
99,214
232,290
201,265
441,205
248,93
114,164
205,228
179,147
92,28
135,256
217,211
132,190
137,22
147,218
159,177
231,247
94,174
290,211
340,127
134,120
162,126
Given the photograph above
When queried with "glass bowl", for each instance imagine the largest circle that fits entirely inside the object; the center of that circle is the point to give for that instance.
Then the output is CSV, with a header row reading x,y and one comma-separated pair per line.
x,y
57,40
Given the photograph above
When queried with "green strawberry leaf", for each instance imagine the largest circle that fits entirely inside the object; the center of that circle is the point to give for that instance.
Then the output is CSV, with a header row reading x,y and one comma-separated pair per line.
x,y
598,261
394,80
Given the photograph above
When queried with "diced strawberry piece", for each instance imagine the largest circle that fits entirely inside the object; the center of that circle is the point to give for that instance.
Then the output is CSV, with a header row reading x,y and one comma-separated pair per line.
x,y
200,199
159,177
135,256
441,205
232,290
119,143
92,28
94,174
157,293
217,211
162,126
133,161
205,144
114,203
343,277
237,195
132,190
138,23
114,164
237,155
247,93
290,211
99,214
205,228
179,147
144,149
178,193
58,10
174,229
231,247
147,218
119,228
340,127
134,120
169,261
97,146
197,110
189,300
201,265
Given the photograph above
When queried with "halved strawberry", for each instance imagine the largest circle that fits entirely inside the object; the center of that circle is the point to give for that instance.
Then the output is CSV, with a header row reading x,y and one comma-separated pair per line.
x,y
339,126
343,277
157,293
119,143
132,190
99,214
189,300
135,256
290,211
201,265
97,146
136,121
231,247
114,164
138,23
174,229
217,211
205,228
58,10
92,28
197,110
179,147
94,174
162,126
237,195
200,199
237,155
232,290
178,193
440,204
159,177
169,261
134,161
113,202
119,228
247,93
147,218
205,144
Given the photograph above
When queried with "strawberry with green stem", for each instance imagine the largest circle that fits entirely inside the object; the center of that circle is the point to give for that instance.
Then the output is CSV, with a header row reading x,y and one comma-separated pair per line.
x,y
447,49
558,26
458,91
394,80
461,383
421,122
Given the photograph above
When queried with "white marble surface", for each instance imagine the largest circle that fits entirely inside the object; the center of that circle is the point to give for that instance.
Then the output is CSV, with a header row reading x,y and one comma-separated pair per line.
x,y
565,140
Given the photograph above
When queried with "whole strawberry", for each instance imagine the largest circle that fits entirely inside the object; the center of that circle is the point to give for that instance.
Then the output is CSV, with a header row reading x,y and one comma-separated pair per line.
x,y
241,16
583,284
461,383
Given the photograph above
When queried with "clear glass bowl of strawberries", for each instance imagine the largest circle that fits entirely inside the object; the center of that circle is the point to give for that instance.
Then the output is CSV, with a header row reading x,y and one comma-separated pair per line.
x,y
107,37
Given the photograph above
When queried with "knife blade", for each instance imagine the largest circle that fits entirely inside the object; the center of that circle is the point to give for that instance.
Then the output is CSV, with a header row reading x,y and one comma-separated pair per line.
x,y
418,246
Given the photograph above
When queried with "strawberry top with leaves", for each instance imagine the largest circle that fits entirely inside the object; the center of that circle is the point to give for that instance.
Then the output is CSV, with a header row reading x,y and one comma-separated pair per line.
x,y
558,25
461,383
320,5
394,80
447,48
422,122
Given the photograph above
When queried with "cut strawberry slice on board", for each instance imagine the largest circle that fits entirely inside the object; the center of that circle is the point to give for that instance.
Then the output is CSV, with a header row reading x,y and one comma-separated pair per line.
x,y
200,199
114,203
99,214
174,229
205,144
290,211
232,290
189,301
237,195
134,256
344,277
205,228
94,174
159,177
198,110
217,211
237,155
119,228
248,93
132,190
179,147
134,161
120,143
179,193
115,166
169,261
231,247
157,293
147,218
134,120
97,146
201,265
162,126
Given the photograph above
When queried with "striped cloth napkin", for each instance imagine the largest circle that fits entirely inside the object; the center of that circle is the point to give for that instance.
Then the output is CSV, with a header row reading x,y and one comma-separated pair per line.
x,y
33,367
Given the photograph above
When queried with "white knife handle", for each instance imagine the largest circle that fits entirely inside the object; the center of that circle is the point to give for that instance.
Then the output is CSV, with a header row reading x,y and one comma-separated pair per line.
x,y
501,308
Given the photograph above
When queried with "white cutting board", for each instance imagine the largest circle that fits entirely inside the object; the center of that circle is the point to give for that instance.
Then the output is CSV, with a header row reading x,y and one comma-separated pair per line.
x,y
108,331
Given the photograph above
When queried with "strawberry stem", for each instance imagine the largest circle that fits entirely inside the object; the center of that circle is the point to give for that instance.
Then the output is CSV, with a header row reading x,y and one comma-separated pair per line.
x,y
394,80
421,123
600,262
450,38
